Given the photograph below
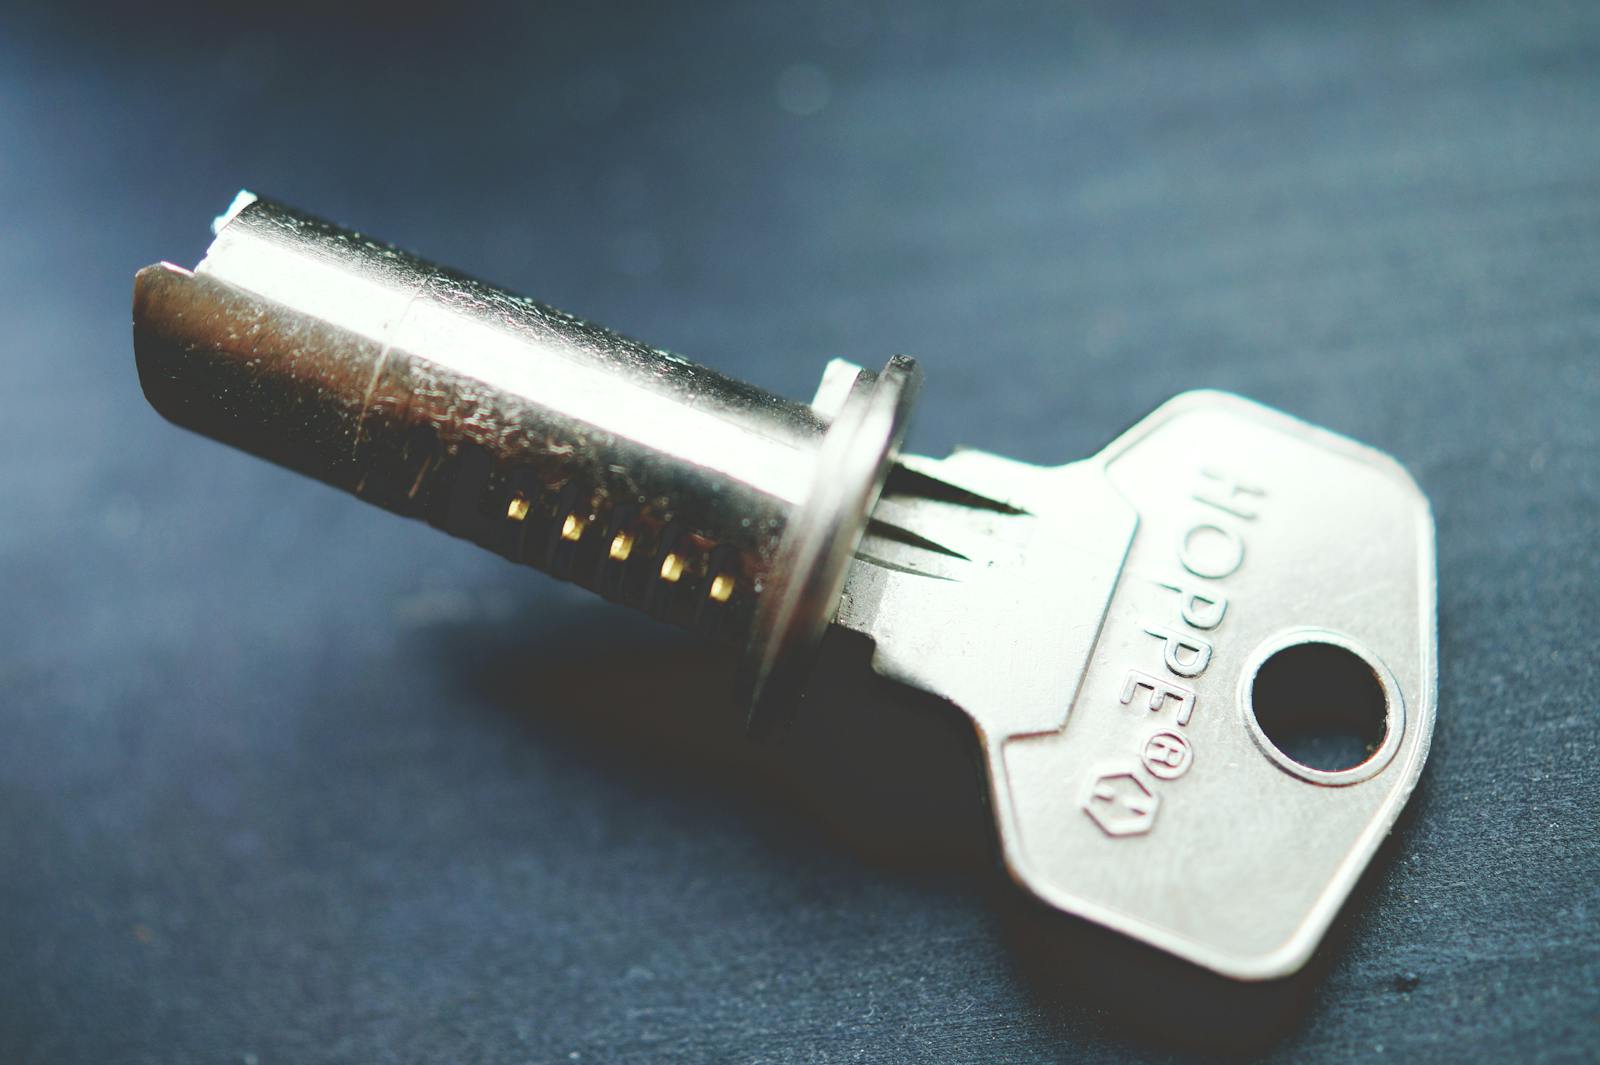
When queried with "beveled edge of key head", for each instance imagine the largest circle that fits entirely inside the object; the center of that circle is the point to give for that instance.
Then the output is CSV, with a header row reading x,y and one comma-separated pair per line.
x,y
1291,843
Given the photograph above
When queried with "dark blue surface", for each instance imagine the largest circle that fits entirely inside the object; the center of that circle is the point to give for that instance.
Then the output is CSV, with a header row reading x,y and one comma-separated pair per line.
x,y
285,779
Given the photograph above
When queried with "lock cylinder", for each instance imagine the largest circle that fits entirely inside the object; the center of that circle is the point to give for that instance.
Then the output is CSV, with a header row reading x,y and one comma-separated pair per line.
x,y
557,443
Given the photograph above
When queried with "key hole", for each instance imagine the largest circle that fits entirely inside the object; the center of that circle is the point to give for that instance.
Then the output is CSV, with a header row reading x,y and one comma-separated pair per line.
x,y
1321,705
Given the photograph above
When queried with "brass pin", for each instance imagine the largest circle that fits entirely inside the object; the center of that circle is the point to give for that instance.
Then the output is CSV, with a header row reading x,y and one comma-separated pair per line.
x,y
672,567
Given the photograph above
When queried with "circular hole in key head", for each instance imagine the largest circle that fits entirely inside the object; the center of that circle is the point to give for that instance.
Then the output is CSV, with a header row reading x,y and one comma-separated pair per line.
x,y
1322,706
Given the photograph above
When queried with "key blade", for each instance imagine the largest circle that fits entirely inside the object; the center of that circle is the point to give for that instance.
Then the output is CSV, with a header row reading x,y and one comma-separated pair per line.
x,y
1002,628
1114,642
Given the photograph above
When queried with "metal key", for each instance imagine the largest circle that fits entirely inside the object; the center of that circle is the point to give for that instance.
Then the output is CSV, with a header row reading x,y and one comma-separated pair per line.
x,y
1133,635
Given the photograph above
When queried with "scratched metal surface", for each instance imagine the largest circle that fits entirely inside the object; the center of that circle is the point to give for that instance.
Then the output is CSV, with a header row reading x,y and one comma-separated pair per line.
x,y
285,779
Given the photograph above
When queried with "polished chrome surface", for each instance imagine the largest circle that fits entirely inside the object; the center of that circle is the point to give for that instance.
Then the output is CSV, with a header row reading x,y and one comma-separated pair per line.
x,y
553,441
815,559
1102,623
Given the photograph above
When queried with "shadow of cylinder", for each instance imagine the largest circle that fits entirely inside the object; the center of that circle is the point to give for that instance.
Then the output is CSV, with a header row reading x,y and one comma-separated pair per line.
x,y
891,774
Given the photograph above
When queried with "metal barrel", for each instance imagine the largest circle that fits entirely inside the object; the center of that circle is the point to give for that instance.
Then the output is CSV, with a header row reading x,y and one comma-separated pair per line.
x,y
545,438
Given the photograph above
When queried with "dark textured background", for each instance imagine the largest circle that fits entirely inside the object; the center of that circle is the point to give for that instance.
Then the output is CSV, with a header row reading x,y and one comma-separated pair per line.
x,y
283,779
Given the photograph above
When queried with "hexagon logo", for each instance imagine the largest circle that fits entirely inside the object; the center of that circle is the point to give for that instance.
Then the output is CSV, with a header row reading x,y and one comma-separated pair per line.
x,y
1121,805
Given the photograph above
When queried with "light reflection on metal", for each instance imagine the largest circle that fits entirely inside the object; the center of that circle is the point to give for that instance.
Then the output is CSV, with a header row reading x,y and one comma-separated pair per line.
x,y
540,436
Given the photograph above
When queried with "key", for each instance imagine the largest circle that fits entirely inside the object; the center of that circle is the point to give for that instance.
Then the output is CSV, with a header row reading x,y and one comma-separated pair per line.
x,y
1125,631
1148,642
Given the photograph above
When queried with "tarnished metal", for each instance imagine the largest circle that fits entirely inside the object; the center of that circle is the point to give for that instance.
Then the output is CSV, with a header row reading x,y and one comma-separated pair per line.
x,y
709,503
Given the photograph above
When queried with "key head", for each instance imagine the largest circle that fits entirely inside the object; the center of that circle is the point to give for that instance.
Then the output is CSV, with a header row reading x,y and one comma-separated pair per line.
x,y
1145,652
